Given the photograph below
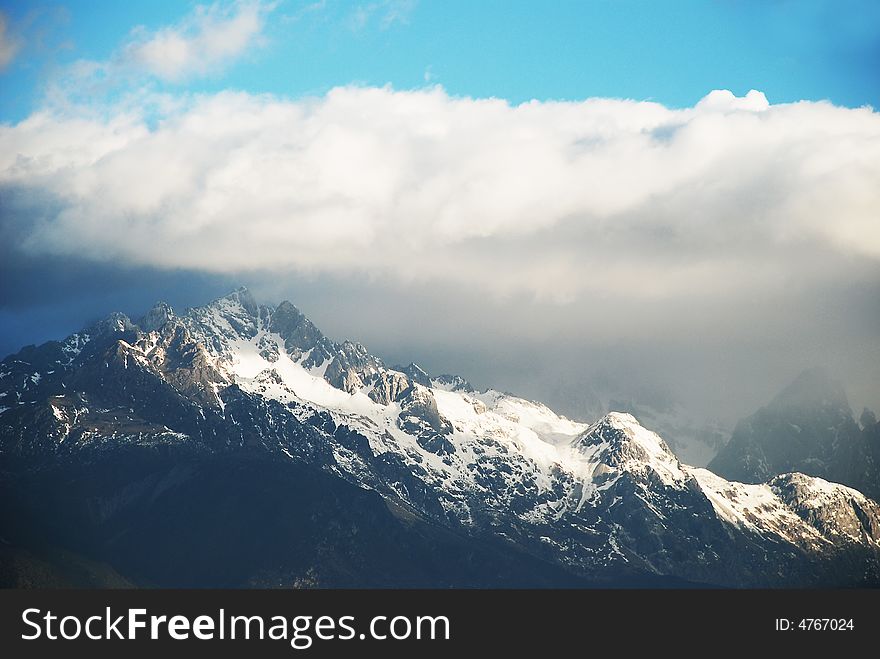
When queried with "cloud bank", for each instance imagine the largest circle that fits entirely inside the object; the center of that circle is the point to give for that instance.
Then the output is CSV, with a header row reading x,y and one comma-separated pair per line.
x,y
555,199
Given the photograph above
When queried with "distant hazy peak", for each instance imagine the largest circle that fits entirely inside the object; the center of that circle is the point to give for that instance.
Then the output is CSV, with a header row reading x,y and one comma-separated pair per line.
x,y
813,388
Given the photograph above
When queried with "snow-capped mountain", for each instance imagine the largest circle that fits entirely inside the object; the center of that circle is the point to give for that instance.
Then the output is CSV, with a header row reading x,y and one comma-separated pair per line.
x,y
694,438
591,500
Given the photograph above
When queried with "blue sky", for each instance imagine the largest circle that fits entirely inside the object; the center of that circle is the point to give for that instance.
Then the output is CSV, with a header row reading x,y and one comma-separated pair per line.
x,y
673,52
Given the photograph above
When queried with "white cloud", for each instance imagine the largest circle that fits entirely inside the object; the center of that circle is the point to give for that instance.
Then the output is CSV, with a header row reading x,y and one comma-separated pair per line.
x,y
9,44
605,196
388,13
202,43
396,11
723,100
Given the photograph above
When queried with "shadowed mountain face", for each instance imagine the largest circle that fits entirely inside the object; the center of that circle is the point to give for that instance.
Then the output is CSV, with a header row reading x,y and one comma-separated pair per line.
x,y
809,427
168,518
236,445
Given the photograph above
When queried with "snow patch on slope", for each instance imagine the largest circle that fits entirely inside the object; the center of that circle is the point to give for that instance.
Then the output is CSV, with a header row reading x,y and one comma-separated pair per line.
x,y
753,507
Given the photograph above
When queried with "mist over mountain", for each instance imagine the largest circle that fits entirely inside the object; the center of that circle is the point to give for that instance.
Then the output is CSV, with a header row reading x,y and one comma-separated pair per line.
x,y
808,427
236,444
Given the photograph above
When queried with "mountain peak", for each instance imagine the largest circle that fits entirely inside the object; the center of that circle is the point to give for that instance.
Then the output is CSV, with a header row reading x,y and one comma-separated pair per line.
x,y
156,317
618,440
812,388
448,382
624,427
113,323
808,427
416,373
245,298
288,306
299,333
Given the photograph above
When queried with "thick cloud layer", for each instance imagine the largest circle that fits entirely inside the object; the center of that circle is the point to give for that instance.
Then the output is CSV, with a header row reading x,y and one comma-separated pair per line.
x,y
720,236
615,196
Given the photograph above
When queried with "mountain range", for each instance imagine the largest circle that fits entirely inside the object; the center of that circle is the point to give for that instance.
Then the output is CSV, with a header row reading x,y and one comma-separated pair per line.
x,y
236,445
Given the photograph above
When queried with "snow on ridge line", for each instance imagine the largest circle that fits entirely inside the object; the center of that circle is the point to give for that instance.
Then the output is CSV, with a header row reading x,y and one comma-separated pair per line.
x,y
742,504
633,448
821,486
532,429
246,363
375,421
539,425
761,507
242,358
